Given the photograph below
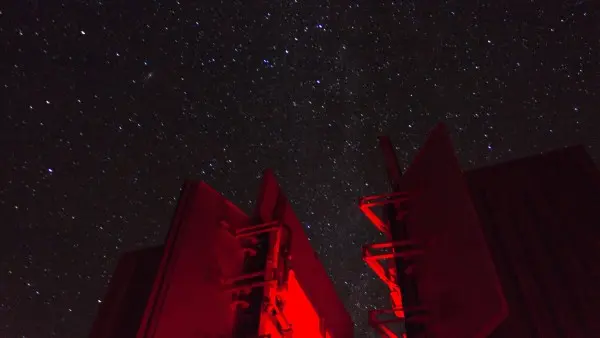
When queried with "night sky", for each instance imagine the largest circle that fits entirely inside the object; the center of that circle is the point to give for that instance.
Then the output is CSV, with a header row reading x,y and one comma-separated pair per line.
x,y
107,106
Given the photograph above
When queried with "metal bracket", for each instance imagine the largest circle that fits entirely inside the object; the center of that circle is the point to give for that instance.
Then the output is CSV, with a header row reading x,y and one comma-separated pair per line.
x,y
397,198
414,315
278,318
373,254
399,249
273,277
253,230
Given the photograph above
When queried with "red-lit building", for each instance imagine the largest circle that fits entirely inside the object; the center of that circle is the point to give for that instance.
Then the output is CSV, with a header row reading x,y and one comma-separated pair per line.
x,y
511,250
222,273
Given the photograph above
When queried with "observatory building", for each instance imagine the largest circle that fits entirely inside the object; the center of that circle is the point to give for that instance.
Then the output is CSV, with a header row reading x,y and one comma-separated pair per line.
x,y
509,250
222,273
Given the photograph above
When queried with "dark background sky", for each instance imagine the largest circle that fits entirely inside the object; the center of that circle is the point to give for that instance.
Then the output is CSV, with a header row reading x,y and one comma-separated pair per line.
x,y
106,106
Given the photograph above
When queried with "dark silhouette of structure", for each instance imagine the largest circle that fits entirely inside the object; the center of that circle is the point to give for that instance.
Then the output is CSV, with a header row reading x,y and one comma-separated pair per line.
x,y
511,250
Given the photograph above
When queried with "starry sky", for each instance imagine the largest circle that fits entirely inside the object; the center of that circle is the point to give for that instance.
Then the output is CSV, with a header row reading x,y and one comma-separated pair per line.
x,y
107,106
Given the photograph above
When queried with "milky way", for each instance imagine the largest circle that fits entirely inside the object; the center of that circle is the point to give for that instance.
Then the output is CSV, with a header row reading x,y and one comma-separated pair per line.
x,y
107,106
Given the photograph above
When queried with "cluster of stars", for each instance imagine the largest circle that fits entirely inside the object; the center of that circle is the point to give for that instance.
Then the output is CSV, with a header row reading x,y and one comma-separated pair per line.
x,y
108,106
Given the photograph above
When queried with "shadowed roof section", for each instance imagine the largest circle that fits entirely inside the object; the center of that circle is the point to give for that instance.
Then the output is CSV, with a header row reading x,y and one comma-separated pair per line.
x,y
540,218
121,311
188,298
456,277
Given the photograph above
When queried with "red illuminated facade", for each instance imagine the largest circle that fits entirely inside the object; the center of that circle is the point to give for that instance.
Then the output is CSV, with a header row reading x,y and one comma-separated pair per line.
x,y
222,273
511,250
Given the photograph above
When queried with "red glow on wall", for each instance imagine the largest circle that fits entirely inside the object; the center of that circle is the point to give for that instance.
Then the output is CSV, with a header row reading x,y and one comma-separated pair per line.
x,y
307,270
197,284
301,312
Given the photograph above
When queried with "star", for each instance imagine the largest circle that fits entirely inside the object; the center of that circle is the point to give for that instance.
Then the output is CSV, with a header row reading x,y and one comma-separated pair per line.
x,y
108,109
